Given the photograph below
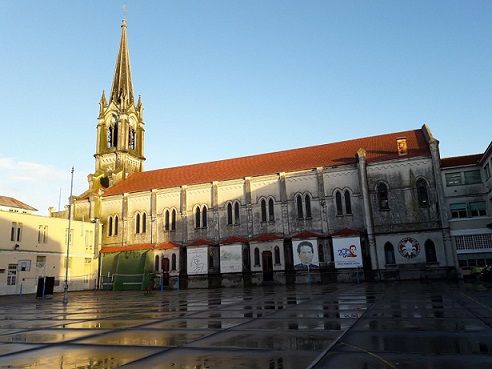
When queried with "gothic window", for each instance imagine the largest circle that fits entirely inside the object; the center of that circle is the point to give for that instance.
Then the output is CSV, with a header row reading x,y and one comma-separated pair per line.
x,y
382,193
115,225
137,223
300,213
229,214
257,256
236,212
131,139
276,252
173,220
271,214
245,257
389,253
430,252
338,202
422,192
173,262
144,223
156,263
166,220
348,203
204,217
263,210
110,226
198,217
307,204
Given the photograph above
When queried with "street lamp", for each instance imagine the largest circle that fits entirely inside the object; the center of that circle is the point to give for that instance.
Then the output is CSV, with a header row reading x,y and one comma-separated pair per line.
x,y
65,289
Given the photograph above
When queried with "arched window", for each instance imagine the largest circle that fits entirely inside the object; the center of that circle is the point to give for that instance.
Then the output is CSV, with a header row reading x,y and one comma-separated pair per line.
x,y
271,214
300,213
116,225
166,220
131,139
173,220
307,204
276,253
144,222
257,256
236,212
422,192
263,210
338,202
389,253
348,203
137,223
204,217
173,262
430,252
110,226
321,254
382,191
198,217
229,214
156,263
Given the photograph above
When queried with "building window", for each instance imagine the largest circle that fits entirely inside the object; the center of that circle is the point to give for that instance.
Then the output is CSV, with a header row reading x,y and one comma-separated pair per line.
x,y
40,234
271,214
110,226
131,139
156,263
276,252
486,170
422,192
40,261
473,177
116,225
173,262
12,275
201,217
137,223
458,210
338,203
478,209
245,257
300,213
229,214
307,204
263,210
166,220
236,212
173,220
382,191
453,179
348,202
16,232
430,252
257,256
473,242
144,223
389,253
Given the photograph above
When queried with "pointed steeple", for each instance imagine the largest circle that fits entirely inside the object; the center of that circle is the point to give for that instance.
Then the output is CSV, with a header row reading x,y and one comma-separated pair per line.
x,y
122,89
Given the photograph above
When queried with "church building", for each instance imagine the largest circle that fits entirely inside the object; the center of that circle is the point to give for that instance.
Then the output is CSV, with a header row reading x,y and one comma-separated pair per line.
x,y
369,208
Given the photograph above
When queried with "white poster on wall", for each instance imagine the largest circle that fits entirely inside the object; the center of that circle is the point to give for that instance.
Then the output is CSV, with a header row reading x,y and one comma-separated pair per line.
x,y
230,258
347,252
305,254
197,260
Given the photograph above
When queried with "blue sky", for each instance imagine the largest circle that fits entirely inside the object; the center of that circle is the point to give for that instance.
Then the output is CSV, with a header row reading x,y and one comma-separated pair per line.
x,y
223,79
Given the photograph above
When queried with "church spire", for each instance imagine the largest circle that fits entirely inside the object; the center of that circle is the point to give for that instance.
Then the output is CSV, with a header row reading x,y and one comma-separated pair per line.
x,y
122,89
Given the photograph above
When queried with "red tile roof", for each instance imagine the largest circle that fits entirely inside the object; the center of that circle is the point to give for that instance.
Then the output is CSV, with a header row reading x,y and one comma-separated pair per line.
x,y
307,234
267,237
378,148
233,239
458,161
167,245
346,232
202,242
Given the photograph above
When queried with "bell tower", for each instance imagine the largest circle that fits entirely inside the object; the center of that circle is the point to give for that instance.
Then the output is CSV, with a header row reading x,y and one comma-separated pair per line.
x,y
120,127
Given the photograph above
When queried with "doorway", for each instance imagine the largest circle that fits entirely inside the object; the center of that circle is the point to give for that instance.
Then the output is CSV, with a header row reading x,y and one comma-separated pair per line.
x,y
267,266
165,271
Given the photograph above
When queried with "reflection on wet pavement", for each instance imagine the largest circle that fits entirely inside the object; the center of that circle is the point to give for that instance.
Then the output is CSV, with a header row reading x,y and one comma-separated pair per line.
x,y
371,325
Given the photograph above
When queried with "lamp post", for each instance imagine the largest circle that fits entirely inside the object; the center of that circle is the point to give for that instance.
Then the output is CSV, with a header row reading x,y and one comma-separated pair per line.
x,y
65,289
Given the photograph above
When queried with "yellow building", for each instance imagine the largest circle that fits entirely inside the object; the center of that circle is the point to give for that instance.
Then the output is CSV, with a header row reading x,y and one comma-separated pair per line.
x,y
33,247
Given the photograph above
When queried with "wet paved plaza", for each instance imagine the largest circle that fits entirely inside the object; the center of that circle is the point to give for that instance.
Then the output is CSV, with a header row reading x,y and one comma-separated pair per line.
x,y
370,325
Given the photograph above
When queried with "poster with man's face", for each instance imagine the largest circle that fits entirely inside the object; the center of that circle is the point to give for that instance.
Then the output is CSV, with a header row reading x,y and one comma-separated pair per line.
x,y
305,254
347,252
